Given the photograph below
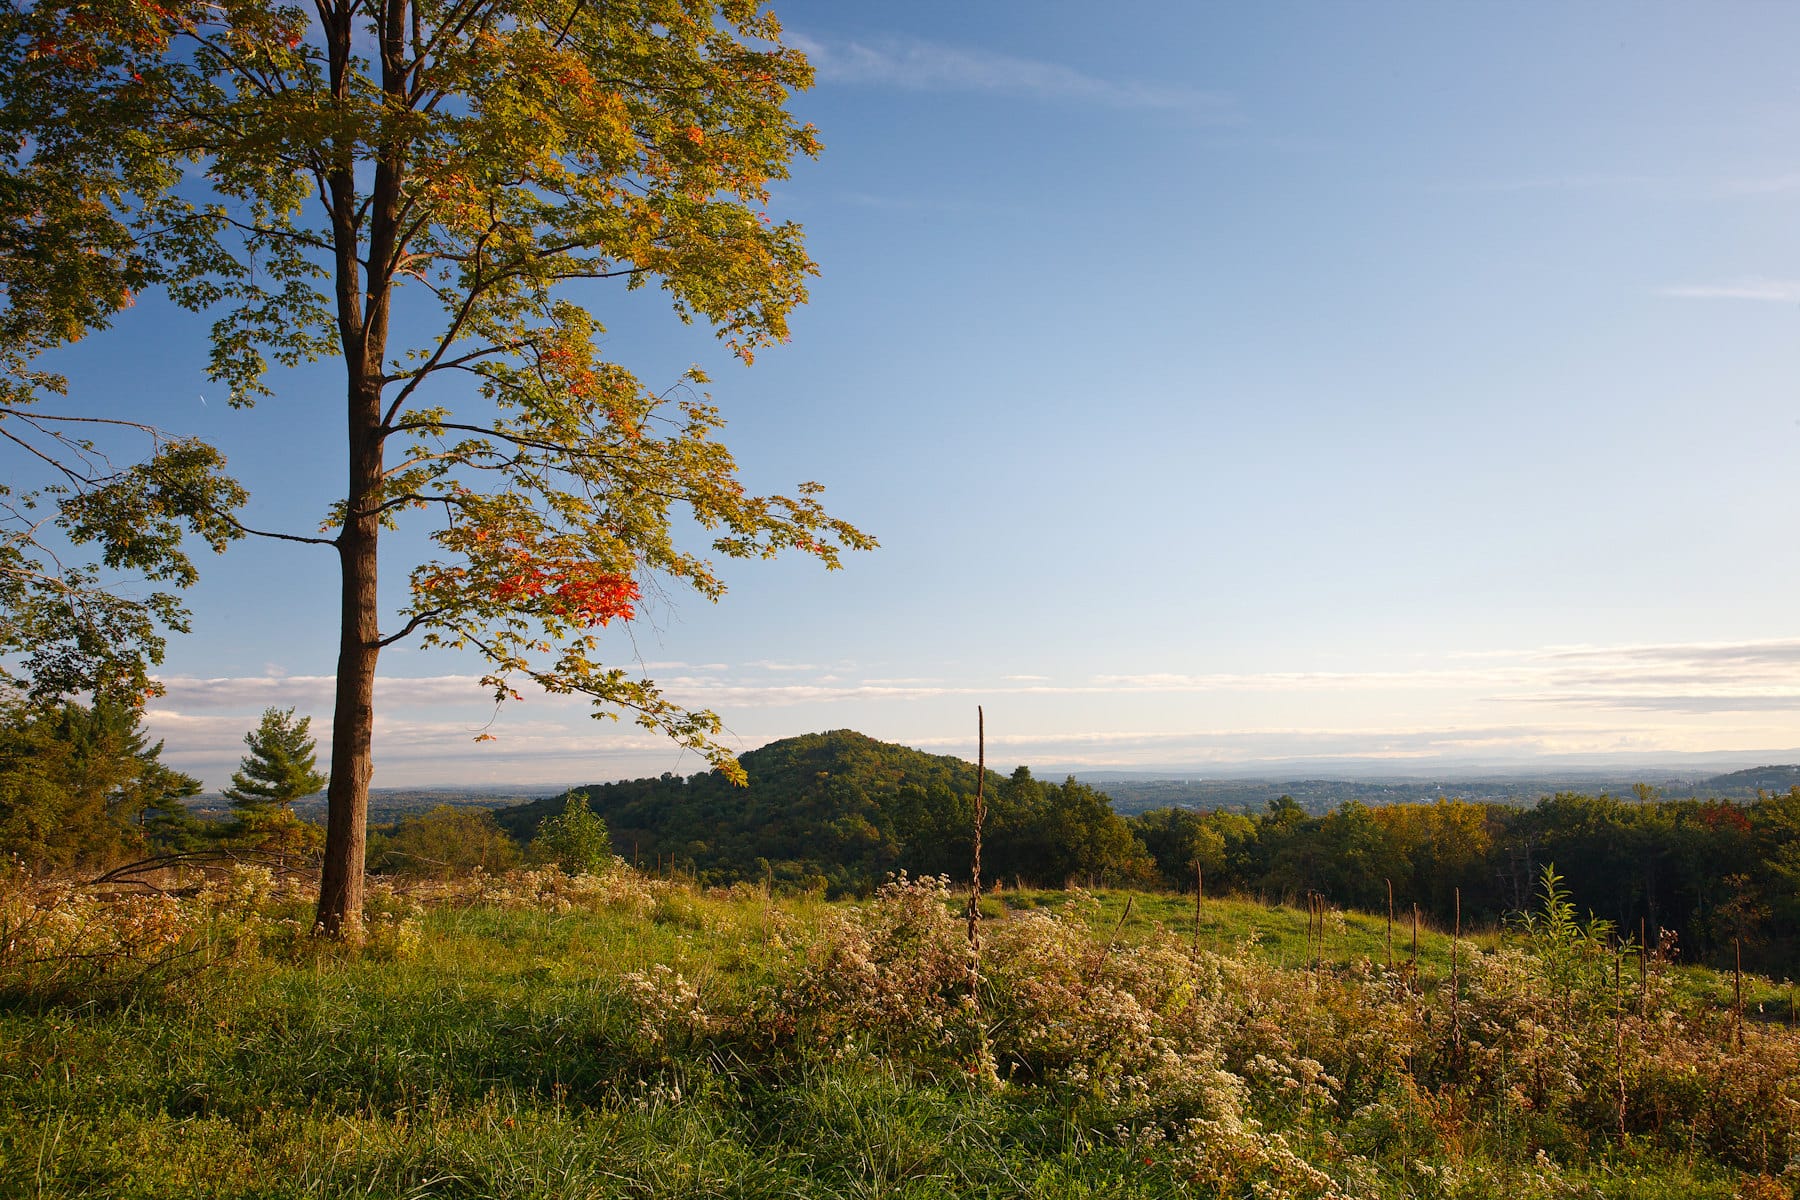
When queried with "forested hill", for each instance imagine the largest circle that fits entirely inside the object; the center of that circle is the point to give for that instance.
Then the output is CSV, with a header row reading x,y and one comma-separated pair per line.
x,y
842,810
1744,784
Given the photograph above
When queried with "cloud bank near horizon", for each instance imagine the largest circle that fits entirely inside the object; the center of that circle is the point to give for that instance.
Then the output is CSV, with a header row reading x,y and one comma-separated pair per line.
x,y
1557,702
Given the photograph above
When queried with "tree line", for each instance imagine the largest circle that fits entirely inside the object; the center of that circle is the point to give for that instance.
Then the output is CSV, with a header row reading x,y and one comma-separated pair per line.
x,y
83,789
1716,874
839,812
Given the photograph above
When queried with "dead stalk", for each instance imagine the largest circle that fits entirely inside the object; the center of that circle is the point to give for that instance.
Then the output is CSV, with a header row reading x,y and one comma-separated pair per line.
x,y
1456,982
975,863
1199,902
1390,925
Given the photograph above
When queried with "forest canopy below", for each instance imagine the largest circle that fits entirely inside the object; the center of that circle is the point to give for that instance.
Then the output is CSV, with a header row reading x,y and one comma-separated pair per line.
x,y
838,813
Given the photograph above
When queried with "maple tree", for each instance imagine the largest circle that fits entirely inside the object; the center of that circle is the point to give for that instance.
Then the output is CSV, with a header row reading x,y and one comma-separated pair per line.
x,y
69,264
335,172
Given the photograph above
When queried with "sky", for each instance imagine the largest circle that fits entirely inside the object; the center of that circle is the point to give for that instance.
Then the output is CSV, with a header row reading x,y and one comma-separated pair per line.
x,y
1232,387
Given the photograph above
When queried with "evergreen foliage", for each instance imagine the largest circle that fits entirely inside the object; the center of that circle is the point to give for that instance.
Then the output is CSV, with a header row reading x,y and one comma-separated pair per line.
x,y
84,787
280,768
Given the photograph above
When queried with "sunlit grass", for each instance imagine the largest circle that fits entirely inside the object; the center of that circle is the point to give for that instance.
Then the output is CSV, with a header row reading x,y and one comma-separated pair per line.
x,y
502,1054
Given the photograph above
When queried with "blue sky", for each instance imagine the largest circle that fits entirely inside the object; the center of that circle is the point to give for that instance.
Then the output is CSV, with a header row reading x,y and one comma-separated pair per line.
x,y
1407,384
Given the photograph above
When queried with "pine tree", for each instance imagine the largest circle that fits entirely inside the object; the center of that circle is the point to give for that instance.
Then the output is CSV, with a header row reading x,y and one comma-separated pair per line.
x,y
280,768
81,786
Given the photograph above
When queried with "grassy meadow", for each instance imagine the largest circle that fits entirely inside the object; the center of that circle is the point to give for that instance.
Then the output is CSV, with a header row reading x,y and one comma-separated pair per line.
x,y
541,1035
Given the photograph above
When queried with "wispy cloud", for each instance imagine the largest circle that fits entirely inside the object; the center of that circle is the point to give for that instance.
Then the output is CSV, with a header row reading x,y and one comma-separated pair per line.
x,y
555,748
1780,291
1763,185
917,65
1312,681
1732,672
1784,652
1695,678
1696,703
1417,749
1590,181
235,693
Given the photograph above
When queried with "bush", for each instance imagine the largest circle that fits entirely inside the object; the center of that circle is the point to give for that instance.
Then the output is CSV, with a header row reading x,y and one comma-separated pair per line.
x,y
444,843
576,841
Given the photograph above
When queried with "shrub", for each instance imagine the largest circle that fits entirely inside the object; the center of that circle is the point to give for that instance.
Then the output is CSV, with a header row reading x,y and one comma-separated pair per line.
x,y
444,843
65,944
576,840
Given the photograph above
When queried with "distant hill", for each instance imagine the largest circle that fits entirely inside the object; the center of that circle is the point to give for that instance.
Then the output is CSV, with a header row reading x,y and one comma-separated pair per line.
x,y
840,810
1136,795
1746,783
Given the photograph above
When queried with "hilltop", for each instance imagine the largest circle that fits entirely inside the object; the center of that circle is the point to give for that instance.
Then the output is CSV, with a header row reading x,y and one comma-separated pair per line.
x,y
841,810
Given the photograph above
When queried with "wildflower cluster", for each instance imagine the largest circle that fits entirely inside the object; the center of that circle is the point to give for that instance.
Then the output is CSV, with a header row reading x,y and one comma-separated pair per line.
x,y
552,889
1241,1076
61,942
668,1004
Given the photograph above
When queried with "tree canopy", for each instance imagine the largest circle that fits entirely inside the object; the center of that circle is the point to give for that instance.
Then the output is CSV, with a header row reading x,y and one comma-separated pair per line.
x,y
70,262
82,786
317,178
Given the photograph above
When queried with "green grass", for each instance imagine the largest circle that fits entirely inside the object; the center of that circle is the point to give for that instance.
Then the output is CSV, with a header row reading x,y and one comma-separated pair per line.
x,y
1275,932
500,1062
502,1059
1278,933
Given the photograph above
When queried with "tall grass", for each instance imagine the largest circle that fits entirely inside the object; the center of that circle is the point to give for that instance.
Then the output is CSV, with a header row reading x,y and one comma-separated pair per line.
x,y
541,1035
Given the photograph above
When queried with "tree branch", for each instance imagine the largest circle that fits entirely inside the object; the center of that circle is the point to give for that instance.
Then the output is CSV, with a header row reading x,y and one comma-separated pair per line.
x,y
445,341
298,235
277,536
417,620
449,364
516,439
67,473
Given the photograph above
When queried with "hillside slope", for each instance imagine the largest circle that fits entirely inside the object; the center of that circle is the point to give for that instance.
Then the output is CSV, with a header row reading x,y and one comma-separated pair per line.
x,y
842,810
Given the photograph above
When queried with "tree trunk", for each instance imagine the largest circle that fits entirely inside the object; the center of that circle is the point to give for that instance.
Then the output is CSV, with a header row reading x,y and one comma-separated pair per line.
x,y
359,645
363,314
